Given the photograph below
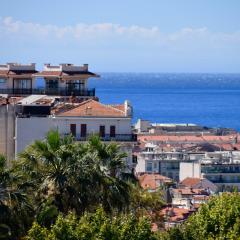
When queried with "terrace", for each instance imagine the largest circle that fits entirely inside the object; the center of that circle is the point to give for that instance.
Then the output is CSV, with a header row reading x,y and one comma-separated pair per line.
x,y
51,92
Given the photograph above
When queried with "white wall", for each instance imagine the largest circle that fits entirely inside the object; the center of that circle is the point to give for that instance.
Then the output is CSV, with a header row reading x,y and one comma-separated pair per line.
x,y
33,128
123,125
189,169
141,164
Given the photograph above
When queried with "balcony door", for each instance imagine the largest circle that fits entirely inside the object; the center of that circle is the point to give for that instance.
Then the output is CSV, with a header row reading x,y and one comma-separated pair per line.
x,y
51,86
75,86
22,86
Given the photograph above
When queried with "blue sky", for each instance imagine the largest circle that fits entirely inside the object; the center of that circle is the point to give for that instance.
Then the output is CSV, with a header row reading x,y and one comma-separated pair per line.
x,y
123,36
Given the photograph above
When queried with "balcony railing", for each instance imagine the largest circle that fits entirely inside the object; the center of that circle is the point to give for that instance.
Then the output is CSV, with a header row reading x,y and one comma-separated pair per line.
x,y
51,92
107,137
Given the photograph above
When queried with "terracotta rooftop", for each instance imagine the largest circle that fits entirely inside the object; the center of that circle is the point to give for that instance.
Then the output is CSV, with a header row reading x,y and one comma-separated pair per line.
x,y
91,108
193,139
152,181
190,182
6,73
174,214
190,191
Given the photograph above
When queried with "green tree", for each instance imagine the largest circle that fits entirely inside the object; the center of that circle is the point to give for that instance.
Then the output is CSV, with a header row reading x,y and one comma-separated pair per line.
x,y
75,176
94,226
218,219
15,208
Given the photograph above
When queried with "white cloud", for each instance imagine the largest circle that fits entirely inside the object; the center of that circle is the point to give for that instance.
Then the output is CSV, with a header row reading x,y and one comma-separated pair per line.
x,y
81,31
119,45
78,31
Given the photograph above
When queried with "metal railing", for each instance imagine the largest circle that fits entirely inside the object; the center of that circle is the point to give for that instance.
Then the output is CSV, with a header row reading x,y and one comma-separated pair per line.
x,y
107,137
51,92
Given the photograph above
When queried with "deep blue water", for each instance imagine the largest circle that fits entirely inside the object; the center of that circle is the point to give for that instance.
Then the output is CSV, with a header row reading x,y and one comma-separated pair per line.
x,y
206,99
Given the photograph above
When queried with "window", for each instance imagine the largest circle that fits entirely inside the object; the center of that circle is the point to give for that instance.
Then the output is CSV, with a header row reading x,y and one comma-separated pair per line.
x,y
155,165
77,85
134,159
83,130
2,80
149,167
22,83
102,131
73,129
112,131
52,84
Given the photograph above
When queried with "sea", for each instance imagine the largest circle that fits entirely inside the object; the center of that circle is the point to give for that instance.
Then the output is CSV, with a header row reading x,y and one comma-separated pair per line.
x,y
211,100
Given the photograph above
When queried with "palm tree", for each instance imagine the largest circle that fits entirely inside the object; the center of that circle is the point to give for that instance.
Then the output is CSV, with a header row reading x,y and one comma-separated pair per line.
x,y
15,208
76,176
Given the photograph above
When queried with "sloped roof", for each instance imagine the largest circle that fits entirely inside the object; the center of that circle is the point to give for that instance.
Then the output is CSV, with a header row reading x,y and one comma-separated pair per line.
x,y
190,182
149,181
64,73
7,73
92,108
175,214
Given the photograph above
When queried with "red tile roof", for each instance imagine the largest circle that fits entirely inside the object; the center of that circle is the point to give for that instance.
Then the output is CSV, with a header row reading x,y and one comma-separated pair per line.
x,y
174,214
189,191
91,108
190,182
152,181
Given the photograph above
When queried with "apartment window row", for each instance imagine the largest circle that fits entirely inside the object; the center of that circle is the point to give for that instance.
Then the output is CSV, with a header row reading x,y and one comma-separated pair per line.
x,y
83,130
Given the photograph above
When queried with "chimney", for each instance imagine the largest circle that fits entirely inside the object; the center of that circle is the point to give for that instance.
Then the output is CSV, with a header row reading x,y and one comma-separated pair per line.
x,y
127,108
85,66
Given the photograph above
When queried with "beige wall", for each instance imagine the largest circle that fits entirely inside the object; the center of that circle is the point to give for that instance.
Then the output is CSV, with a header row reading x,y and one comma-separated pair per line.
x,y
7,131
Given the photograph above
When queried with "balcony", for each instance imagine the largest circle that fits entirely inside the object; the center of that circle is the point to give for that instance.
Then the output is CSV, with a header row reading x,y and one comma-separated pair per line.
x,y
50,92
217,170
107,137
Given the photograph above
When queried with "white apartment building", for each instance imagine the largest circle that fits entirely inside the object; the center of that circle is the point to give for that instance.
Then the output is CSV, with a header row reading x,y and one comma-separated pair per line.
x,y
179,165
110,122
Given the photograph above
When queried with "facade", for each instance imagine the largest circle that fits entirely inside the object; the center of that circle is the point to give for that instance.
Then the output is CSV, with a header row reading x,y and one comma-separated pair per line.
x,y
62,80
17,79
178,157
225,175
67,80
110,122
153,159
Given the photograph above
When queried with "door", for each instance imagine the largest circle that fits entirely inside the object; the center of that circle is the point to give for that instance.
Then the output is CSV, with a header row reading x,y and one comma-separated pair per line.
x,y
102,131
73,129
112,131
22,86
83,130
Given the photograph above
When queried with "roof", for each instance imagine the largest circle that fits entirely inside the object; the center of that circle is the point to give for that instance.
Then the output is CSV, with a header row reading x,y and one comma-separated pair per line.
x,y
152,181
7,73
190,191
190,182
64,73
174,214
189,138
91,108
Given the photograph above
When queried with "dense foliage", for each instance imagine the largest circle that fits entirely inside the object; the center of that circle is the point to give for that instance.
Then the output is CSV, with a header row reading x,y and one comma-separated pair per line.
x,y
94,226
219,219
61,189
58,176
